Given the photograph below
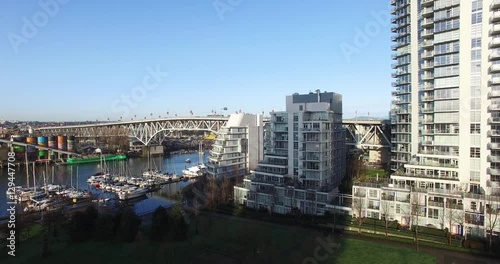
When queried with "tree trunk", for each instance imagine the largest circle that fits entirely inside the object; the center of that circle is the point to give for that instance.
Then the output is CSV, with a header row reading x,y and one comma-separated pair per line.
x,y
386,227
491,233
416,237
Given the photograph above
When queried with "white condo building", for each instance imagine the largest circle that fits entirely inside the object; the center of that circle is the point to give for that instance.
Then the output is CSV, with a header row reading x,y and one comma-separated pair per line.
x,y
238,147
445,118
304,158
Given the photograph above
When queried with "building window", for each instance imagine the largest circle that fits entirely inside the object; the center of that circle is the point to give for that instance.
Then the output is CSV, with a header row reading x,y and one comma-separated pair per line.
x,y
476,43
475,128
475,152
301,108
434,213
477,18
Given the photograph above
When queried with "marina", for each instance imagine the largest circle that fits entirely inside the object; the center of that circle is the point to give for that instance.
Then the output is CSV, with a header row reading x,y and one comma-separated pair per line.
x,y
72,184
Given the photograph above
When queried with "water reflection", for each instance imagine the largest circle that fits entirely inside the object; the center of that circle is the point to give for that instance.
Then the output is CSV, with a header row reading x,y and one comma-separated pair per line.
x,y
77,175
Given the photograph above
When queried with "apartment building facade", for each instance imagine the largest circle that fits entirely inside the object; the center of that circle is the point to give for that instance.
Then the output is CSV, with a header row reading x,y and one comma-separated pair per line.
x,y
304,159
445,118
238,147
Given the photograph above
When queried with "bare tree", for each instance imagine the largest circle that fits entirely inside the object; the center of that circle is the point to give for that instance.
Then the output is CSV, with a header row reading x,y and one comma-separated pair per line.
x,y
416,207
212,195
492,210
453,214
386,211
226,189
358,206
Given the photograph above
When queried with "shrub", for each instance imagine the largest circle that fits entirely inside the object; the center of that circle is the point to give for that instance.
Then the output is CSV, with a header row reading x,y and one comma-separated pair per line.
x,y
105,228
160,224
128,226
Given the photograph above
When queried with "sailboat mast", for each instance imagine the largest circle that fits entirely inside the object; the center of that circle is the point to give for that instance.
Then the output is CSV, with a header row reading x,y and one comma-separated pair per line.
x,y
200,153
71,174
149,159
44,183
27,168
77,177
34,177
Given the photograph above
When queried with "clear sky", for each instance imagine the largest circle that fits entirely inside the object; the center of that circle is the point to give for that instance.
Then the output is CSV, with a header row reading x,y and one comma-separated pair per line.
x,y
88,59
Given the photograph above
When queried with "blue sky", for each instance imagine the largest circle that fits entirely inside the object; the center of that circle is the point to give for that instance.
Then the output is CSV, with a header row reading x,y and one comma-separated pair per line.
x,y
85,57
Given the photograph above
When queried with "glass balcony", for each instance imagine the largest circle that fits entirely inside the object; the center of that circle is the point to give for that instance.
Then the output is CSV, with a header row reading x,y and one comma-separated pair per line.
x,y
427,33
494,56
492,158
427,11
428,98
495,30
493,146
495,172
495,68
495,42
495,17
493,133
495,5
494,81
427,66
494,120
428,44
427,3
494,94
428,76
428,110
428,23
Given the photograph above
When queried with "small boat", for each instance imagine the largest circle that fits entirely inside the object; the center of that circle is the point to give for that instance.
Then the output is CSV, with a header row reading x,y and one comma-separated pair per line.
x,y
195,171
132,193
188,161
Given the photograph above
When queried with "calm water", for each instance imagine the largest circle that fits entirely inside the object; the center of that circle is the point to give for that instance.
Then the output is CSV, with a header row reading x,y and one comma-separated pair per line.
x,y
62,175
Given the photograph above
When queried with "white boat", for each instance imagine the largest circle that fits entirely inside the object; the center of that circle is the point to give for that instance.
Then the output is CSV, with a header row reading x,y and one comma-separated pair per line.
x,y
194,171
51,188
136,181
132,193
188,161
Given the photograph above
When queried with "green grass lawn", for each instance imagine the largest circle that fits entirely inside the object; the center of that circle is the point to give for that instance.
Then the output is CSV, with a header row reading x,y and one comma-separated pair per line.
x,y
224,241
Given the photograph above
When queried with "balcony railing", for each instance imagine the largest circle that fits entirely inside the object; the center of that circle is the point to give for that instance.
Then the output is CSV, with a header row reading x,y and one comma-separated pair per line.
x,y
420,175
427,2
495,17
495,5
493,133
435,204
495,30
492,158
494,172
495,68
494,56
427,11
495,93
495,42
494,107
427,44
493,146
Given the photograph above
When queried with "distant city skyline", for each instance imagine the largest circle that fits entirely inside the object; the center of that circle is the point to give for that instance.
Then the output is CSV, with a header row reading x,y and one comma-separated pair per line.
x,y
86,58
